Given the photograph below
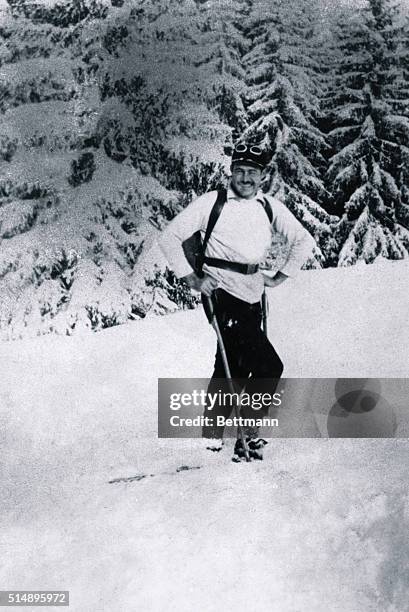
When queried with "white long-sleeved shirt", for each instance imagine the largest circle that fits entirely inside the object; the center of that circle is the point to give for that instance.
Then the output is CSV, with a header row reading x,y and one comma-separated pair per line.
x,y
243,234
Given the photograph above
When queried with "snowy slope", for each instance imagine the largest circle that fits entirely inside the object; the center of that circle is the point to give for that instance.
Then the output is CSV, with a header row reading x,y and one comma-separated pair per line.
x,y
319,525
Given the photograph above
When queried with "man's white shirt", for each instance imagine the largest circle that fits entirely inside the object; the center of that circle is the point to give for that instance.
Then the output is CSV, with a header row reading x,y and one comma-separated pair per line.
x,y
242,234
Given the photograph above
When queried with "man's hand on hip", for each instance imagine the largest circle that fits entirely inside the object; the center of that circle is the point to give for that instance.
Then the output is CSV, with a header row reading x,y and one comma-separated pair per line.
x,y
274,281
205,285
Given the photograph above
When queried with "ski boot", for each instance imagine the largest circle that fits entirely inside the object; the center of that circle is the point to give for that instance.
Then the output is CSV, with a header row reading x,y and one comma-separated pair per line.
x,y
255,446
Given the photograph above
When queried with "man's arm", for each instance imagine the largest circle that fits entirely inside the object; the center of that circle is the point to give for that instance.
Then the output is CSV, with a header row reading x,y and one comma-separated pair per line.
x,y
274,281
193,218
300,241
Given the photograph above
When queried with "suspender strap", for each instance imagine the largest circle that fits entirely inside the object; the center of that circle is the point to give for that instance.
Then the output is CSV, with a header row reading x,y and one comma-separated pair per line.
x,y
267,207
214,215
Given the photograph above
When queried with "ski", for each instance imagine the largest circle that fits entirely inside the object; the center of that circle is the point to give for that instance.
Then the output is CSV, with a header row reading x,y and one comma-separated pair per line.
x,y
255,447
138,477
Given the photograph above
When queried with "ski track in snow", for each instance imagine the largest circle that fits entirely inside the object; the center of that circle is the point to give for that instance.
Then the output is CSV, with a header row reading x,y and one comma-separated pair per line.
x,y
319,525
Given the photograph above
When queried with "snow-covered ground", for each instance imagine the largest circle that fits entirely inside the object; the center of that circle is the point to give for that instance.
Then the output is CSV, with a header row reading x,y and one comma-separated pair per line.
x,y
320,525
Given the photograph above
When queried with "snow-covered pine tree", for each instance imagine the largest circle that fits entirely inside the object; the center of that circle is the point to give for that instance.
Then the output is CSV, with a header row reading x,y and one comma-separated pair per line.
x,y
283,106
72,220
216,47
221,48
370,135
400,103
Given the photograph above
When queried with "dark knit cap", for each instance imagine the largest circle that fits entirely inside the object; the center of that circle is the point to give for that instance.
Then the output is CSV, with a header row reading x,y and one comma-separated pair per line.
x,y
251,155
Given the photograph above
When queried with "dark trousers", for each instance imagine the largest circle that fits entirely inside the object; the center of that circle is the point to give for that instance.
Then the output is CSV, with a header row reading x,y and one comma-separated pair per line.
x,y
254,364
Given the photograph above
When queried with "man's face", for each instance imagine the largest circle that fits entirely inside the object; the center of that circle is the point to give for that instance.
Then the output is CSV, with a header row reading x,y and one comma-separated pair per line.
x,y
246,179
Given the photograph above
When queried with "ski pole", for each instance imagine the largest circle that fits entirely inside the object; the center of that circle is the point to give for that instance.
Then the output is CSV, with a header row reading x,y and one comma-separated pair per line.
x,y
264,307
211,316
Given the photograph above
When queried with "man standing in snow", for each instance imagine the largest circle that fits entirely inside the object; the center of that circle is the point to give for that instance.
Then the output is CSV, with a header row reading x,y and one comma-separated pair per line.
x,y
238,243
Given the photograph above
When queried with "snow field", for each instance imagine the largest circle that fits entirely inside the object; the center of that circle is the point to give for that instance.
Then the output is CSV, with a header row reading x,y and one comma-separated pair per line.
x,y
319,525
